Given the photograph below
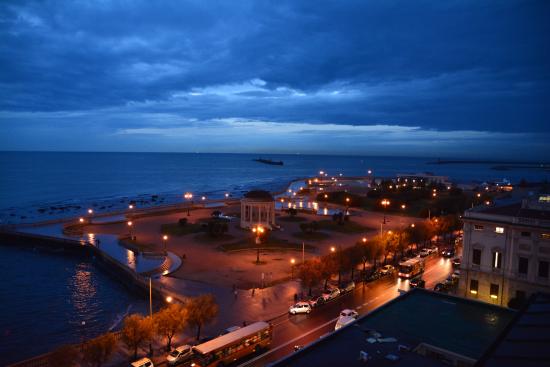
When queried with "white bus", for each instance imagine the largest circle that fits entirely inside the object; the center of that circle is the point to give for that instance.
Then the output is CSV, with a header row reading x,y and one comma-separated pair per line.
x,y
411,268
228,348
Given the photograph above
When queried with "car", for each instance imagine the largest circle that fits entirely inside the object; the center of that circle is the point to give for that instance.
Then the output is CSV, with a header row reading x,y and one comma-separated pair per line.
x,y
433,249
387,269
230,330
417,283
300,307
441,287
456,262
331,294
348,288
316,301
144,362
424,253
349,313
343,321
179,355
448,253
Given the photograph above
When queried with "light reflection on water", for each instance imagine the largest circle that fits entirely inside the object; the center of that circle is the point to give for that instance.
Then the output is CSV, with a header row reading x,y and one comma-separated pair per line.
x,y
46,297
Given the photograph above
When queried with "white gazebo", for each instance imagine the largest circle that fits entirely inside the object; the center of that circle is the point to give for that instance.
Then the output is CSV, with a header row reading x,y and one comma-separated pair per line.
x,y
257,208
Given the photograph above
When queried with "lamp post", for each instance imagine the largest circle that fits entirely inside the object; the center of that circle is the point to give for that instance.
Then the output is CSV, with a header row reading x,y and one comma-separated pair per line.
x,y
165,241
385,204
258,230
347,205
189,197
130,224
292,262
90,212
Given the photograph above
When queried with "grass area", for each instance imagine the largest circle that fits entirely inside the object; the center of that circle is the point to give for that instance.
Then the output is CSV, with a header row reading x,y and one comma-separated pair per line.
x,y
205,237
347,227
175,229
289,218
315,236
273,244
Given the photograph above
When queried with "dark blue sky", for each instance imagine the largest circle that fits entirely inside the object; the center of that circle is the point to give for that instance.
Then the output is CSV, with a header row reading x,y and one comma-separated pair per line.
x,y
429,78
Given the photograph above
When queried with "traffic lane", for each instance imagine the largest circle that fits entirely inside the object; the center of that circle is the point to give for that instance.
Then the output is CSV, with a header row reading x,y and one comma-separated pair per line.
x,y
303,329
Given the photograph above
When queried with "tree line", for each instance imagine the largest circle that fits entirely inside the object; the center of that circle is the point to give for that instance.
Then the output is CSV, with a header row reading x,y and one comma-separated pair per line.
x,y
376,250
139,332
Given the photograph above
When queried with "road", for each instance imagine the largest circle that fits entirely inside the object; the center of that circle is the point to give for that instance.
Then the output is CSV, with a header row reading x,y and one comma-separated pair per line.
x,y
289,331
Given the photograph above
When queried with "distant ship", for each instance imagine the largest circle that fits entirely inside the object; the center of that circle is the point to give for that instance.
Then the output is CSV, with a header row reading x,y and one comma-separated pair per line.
x,y
269,161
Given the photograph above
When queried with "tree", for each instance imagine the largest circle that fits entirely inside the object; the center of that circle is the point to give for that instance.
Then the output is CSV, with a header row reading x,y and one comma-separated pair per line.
x,y
201,310
310,274
217,228
170,321
354,255
64,356
329,266
136,331
99,350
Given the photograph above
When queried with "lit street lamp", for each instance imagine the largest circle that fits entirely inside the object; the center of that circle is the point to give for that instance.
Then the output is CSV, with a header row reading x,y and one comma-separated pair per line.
x,y
292,262
130,224
385,204
258,230
189,197
169,299
165,240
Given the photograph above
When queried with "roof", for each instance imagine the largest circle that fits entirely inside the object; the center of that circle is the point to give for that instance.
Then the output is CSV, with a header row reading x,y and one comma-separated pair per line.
x,y
515,210
231,337
526,340
461,326
259,195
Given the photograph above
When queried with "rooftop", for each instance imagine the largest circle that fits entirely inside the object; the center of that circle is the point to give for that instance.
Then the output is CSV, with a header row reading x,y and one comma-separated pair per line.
x,y
533,208
525,342
460,326
259,195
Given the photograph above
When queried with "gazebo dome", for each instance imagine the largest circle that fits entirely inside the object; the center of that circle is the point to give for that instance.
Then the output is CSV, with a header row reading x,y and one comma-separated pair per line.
x,y
259,195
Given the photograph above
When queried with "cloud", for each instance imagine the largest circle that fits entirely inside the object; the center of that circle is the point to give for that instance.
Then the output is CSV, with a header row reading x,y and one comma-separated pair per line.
x,y
433,67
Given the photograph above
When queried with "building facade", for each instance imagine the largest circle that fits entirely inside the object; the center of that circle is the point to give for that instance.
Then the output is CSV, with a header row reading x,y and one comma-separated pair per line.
x,y
506,251
257,208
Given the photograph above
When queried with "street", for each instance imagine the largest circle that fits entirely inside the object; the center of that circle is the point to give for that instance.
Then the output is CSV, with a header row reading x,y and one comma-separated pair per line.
x,y
302,329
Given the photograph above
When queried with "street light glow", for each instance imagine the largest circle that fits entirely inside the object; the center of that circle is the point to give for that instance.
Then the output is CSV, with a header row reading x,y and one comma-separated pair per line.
x,y
165,237
169,299
332,248
292,261
130,223
364,239
130,206
90,211
81,220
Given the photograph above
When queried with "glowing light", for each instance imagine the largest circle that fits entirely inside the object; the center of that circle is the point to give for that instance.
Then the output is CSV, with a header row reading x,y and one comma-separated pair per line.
x,y
487,202
292,261
332,249
473,291
90,211
130,206
494,296
203,198
81,220
403,206
478,195
226,195
168,299
130,223
412,225
364,239
369,171
165,237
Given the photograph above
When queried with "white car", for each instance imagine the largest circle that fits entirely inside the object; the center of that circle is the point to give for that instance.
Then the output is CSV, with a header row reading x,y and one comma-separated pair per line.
x,y
178,355
343,321
349,313
424,253
387,269
300,307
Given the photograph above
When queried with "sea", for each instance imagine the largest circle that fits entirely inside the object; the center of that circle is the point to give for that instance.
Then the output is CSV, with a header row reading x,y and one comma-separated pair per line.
x,y
50,299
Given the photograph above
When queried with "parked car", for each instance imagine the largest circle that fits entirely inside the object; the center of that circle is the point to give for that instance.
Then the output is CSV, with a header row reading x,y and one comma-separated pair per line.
x,y
349,313
144,362
424,253
448,252
433,249
387,269
417,283
348,288
441,287
179,355
230,330
456,262
331,294
300,307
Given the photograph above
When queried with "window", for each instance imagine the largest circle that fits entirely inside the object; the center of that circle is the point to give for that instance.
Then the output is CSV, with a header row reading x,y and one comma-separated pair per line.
x,y
478,227
525,234
545,236
499,229
523,265
494,291
476,257
474,284
497,260
543,269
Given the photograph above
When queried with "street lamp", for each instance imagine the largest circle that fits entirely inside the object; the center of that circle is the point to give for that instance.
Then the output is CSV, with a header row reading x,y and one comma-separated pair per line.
x,y
258,230
332,249
188,196
385,204
169,299
130,207
90,212
165,240
364,239
81,220
292,262
130,224
403,206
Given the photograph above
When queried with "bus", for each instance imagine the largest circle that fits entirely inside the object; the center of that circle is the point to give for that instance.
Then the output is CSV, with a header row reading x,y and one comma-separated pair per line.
x,y
233,346
411,268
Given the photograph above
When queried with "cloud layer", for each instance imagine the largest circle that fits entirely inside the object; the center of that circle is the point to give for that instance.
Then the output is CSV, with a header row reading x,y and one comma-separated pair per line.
x,y
459,78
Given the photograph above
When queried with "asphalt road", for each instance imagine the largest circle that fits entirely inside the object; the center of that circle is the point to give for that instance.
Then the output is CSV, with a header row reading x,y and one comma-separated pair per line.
x,y
289,331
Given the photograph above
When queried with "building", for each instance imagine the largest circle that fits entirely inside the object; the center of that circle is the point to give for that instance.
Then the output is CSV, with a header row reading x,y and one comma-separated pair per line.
x,y
506,251
426,178
525,341
257,208
418,328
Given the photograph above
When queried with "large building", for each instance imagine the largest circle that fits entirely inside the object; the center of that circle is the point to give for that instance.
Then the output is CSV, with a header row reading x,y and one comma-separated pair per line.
x,y
418,329
506,251
257,209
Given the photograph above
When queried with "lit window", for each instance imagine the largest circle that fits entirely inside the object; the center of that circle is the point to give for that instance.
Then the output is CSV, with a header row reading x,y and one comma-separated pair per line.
x,y
494,291
545,236
478,227
499,229
474,284
497,260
